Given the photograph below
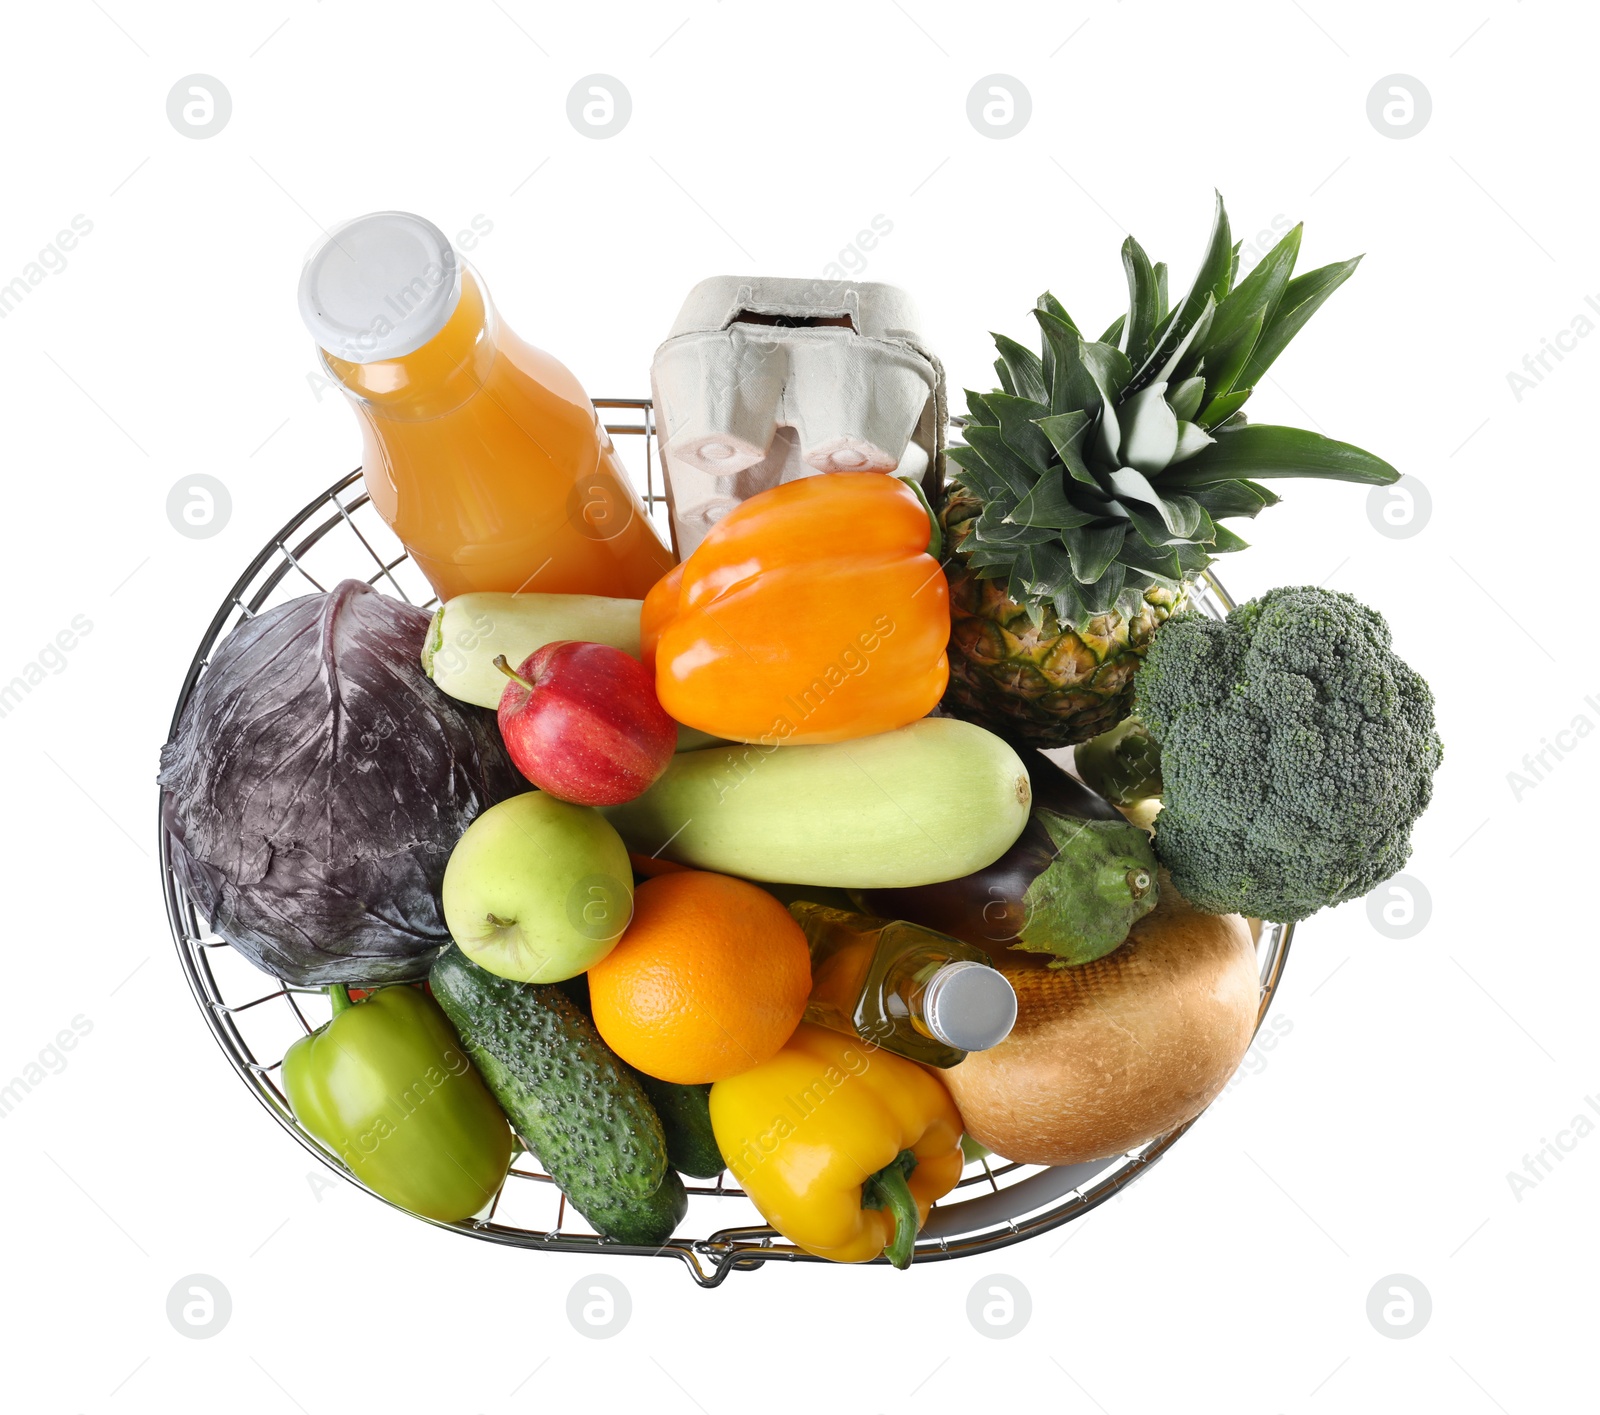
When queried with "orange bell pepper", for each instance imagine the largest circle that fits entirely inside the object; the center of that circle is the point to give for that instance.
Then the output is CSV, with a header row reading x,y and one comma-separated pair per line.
x,y
811,613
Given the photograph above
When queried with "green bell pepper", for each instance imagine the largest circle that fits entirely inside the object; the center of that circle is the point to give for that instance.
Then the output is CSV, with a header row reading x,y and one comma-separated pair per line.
x,y
387,1087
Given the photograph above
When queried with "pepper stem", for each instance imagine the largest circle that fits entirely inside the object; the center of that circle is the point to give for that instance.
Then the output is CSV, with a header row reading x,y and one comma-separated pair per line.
x,y
339,995
887,1189
510,672
935,535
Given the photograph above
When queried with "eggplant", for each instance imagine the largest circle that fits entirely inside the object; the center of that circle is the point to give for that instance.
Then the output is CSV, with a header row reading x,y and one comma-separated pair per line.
x,y
1077,879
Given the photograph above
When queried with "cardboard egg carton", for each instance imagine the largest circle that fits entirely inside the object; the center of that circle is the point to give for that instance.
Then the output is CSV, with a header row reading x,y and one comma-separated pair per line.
x,y
766,380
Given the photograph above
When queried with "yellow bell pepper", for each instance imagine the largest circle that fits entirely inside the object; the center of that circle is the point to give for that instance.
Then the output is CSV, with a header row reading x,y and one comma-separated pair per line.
x,y
841,1146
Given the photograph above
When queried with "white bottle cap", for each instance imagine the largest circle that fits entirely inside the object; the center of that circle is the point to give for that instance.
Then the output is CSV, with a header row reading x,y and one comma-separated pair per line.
x,y
379,286
970,1006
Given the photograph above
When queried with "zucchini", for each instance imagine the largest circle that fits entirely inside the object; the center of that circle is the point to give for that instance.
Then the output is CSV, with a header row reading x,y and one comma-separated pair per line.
x,y
575,1106
467,632
685,1113
932,801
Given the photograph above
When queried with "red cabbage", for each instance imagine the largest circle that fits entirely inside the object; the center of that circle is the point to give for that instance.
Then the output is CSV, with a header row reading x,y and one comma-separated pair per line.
x,y
316,785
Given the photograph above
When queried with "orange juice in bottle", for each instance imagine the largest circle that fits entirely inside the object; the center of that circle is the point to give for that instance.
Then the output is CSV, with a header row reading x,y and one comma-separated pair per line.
x,y
483,453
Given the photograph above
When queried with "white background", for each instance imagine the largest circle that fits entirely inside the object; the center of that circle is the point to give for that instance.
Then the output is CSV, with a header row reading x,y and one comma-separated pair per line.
x,y
1377,1136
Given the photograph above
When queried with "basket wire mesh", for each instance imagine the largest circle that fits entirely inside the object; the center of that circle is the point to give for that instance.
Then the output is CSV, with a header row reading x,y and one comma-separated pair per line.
x,y
255,1016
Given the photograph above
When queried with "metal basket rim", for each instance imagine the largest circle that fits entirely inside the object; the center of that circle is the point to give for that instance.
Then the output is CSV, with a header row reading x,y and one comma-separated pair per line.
x,y
709,1260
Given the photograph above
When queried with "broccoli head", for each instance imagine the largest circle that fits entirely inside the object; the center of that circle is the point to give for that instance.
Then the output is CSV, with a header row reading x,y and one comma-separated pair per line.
x,y
1297,751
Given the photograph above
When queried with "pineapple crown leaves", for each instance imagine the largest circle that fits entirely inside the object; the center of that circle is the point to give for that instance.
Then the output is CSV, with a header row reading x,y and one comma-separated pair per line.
x,y
1105,466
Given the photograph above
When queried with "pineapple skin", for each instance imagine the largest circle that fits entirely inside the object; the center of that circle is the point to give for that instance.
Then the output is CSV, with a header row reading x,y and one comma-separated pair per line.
x,y
1043,685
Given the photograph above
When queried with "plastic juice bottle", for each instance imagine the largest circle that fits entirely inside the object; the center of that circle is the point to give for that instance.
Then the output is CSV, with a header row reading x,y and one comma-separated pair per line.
x,y
483,453
907,989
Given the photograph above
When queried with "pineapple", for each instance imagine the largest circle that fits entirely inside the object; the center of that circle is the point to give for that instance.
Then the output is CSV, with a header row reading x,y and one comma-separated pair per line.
x,y
1093,483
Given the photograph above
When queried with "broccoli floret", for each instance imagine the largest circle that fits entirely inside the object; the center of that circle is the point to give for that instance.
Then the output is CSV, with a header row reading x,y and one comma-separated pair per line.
x,y
1297,751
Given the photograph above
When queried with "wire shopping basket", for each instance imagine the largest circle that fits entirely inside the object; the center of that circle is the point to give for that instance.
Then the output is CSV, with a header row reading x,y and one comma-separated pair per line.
x,y
255,1016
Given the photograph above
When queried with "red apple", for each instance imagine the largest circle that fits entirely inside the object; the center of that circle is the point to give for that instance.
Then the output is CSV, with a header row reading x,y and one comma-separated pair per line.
x,y
582,722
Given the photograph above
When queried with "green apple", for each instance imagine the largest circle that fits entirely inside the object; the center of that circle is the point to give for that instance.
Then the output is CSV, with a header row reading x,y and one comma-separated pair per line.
x,y
537,889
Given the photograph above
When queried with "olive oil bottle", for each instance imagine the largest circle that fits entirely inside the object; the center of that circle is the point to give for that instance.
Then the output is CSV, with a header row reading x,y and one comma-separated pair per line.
x,y
899,986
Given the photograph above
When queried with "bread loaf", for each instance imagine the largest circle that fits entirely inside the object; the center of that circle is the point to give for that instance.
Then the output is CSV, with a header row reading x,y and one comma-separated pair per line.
x,y
1116,1052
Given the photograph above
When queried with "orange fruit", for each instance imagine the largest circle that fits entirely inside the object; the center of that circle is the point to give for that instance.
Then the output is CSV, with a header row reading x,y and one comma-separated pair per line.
x,y
709,979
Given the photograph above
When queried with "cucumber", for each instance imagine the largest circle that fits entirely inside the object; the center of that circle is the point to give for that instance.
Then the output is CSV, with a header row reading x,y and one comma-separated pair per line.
x,y
580,1112
685,1113
466,633
932,801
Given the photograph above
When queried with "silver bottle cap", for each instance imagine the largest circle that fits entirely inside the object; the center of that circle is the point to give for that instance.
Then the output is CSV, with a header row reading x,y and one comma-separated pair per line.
x,y
970,1006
